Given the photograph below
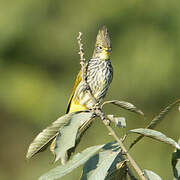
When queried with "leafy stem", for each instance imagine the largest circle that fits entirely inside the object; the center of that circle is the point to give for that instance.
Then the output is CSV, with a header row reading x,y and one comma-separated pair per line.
x,y
98,111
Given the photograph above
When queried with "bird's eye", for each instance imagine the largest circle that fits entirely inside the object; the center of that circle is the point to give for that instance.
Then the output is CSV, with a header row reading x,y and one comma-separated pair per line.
x,y
99,47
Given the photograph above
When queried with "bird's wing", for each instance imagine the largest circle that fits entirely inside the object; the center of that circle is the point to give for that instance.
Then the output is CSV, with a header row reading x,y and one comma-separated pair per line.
x,y
77,81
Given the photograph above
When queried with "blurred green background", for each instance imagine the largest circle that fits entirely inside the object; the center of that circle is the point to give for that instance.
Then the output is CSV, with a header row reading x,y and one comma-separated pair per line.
x,y
39,62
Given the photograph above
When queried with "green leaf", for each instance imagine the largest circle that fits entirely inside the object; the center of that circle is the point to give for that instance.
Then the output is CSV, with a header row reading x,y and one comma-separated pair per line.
x,y
118,170
43,138
156,120
155,135
75,162
151,175
66,137
119,121
125,105
84,127
96,168
176,163
48,134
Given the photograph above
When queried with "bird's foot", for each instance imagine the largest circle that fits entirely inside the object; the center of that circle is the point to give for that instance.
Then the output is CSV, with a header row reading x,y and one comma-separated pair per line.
x,y
86,86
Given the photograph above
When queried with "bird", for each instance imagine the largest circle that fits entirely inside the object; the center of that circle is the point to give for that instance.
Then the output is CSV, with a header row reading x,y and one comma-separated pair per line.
x,y
99,75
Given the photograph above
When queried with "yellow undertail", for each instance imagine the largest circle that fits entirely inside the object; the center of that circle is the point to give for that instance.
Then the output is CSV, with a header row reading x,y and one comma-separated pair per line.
x,y
76,107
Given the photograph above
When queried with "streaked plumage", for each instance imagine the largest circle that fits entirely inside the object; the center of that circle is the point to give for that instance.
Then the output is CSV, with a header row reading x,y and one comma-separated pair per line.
x,y
99,75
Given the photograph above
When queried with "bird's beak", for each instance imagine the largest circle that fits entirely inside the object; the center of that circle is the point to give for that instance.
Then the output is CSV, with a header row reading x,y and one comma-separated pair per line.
x,y
108,50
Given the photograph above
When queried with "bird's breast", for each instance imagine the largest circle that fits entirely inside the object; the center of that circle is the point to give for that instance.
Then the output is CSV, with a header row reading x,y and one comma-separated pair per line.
x,y
99,77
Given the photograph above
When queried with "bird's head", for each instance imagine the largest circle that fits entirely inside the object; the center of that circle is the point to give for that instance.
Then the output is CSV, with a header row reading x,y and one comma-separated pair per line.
x,y
103,45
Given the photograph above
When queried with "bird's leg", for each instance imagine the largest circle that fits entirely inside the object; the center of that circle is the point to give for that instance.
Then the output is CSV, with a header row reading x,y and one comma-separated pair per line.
x,y
86,86
97,105
98,112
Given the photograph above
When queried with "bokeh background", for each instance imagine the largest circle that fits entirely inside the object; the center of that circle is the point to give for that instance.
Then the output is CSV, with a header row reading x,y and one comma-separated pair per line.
x,y
39,61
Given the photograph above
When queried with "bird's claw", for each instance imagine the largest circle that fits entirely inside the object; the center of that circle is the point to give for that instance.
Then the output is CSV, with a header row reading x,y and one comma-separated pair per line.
x,y
86,86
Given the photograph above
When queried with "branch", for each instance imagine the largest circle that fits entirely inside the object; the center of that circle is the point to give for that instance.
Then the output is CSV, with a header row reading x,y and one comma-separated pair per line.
x,y
83,69
82,59
98,111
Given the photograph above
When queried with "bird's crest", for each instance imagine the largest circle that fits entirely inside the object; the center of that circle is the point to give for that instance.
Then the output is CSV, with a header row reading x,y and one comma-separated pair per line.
x,y
103,38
